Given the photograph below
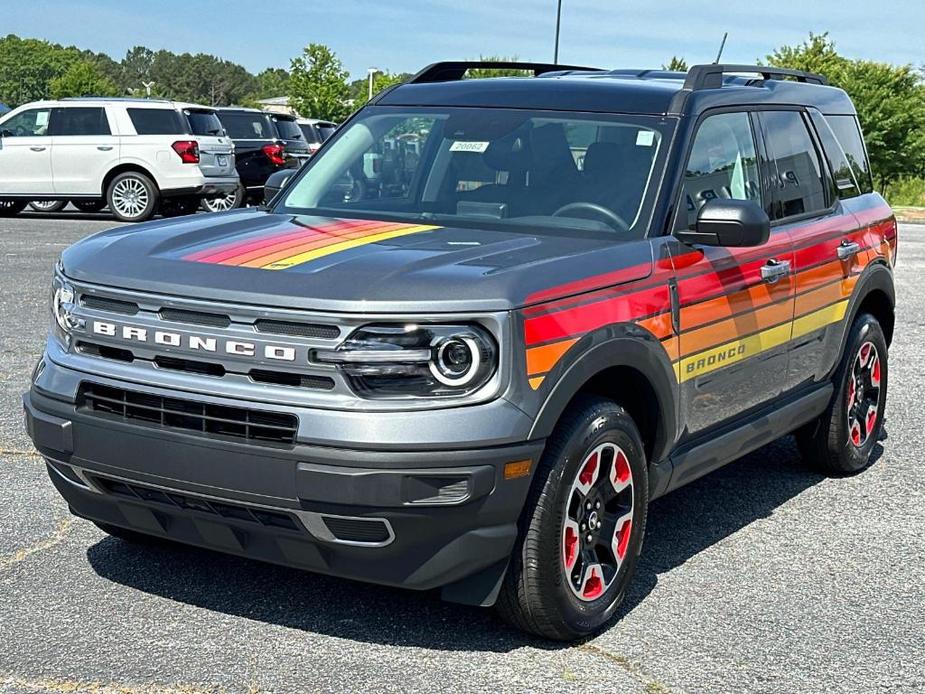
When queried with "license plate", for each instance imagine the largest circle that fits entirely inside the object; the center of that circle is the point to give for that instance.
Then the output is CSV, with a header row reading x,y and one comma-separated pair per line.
x,y
222,160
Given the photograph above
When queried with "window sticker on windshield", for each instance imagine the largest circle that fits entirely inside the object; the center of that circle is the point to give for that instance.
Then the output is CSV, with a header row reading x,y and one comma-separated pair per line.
x,y
461,146
645,138
41,118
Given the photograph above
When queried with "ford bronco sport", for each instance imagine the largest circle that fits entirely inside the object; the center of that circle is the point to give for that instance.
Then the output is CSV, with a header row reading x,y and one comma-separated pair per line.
x,y
477,334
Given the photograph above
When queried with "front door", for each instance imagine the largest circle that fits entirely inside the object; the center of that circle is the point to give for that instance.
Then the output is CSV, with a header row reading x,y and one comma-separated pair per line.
x,y
735,305
25,153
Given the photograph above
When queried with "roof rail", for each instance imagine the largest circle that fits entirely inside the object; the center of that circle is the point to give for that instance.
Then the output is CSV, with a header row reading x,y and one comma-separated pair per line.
x,y
453,70
710,76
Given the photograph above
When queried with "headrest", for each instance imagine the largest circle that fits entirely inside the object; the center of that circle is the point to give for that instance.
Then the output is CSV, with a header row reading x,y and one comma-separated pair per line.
x,y
603,158
508,153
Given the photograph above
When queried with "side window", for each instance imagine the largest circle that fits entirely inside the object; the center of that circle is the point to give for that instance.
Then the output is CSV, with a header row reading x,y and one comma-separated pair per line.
x,y
796,172
848,133
156,121
845,184
31,123
79,121
722,164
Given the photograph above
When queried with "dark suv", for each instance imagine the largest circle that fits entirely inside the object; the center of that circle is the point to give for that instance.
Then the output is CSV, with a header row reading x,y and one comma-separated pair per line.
x,y
481,330
264,143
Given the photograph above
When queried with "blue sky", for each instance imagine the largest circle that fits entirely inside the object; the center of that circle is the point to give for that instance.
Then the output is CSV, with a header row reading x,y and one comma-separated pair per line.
x,y
405,35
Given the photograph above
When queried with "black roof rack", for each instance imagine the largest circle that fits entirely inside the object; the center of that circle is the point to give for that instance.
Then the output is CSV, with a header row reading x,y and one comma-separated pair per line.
x,y
710,76
453,70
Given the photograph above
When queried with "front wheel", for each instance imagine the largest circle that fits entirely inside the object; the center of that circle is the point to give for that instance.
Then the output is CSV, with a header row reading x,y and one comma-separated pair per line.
x,y
132,197
582,528
841,440
48,205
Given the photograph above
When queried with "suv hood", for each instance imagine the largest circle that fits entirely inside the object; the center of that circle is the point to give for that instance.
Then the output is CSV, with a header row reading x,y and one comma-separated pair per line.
x,y
319,263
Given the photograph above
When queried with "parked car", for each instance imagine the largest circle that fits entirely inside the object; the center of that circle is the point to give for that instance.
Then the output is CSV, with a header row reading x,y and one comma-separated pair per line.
x,y
135,155
316,132
264,143
475,370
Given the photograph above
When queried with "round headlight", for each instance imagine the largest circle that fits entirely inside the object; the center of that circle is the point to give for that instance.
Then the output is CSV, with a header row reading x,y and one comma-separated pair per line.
x,y
457,361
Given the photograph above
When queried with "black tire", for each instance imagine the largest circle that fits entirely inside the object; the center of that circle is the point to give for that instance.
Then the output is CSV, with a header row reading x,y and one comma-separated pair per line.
x,y
539,594
132,197
48,205
177,207
127,535
841,440
89,206
223,203
11,208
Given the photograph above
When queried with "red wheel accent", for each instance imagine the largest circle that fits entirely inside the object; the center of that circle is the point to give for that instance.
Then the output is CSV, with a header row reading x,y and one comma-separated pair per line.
x,y
856,434
621,470
594,584
863,394
622,538
871,419
588,473
875,373
865,352
570,545
851,392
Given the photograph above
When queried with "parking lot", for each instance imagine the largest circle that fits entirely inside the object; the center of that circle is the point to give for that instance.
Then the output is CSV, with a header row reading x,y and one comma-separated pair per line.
x,y
762,577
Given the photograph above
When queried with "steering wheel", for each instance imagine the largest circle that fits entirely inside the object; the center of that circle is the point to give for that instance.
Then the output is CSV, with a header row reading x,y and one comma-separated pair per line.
x,y
610,217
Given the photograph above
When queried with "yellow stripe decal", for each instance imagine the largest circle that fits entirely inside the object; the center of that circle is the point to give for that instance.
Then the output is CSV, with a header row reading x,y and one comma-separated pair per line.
x,y
819,319
316,253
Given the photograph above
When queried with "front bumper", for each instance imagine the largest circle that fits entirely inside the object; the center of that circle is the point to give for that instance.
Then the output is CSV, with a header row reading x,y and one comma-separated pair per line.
x,y
420,519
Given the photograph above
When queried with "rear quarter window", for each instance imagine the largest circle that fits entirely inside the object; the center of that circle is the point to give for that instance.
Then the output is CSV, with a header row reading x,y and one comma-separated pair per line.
x,y
796,171
848,132
247,126
156,121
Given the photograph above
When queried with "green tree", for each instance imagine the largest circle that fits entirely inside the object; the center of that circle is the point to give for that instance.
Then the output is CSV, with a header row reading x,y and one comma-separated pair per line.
x,y
318,84
27,66
890,100
676,64
274,81
83,78
479,73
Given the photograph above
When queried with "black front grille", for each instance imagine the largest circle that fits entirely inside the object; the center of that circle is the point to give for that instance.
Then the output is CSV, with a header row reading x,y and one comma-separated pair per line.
x,y
285,378
372,531
102,303
190,415
282,327
105,351
194,503
179,315
203,368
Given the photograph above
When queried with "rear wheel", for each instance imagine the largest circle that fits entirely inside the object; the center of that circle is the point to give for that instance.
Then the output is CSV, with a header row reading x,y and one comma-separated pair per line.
x,y
583,525
48,205
841,441
89,206
223,203
10,208
132,197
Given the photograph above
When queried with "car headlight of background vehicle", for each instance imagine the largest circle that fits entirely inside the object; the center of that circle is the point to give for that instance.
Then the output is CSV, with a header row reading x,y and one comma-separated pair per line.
x,y
63,302
399,360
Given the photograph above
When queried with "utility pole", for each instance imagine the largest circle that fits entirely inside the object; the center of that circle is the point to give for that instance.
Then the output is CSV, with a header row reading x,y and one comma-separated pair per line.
x,y
555,55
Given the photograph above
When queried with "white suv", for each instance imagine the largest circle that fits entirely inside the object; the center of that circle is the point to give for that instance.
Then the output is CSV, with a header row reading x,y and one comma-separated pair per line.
x,y
138,156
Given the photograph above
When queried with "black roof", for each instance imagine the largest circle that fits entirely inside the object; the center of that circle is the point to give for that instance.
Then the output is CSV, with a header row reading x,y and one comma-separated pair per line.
x,y
618,91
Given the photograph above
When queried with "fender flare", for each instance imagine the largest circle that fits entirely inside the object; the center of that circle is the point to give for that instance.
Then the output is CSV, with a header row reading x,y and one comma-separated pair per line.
x,y
614,346
877,276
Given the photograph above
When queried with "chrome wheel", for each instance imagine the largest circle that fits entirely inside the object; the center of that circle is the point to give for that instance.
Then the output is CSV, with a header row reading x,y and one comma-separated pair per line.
x,y
48,205
863,394
598,521
130,197
223,203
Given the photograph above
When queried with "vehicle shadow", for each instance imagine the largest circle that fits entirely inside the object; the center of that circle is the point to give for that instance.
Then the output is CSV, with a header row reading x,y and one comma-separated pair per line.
x,y
680,526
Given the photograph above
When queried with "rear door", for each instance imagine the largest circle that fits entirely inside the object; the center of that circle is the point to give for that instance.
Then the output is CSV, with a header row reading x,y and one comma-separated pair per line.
x,y
25,153
216,153
83,149
735,305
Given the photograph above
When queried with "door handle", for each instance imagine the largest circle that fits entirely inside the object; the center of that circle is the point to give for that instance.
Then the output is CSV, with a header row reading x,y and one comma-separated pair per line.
x,y
774,269
104,148
37,149
848,249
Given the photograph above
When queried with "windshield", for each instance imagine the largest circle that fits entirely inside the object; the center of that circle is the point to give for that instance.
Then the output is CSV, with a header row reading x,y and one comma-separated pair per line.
x,y
500,167
203,123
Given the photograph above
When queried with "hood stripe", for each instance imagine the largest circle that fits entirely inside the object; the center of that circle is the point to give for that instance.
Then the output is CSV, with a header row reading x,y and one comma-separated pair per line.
x,y
294,246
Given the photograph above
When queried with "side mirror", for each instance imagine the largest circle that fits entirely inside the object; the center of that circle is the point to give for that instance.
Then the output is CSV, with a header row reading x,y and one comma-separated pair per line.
x,y
276,182
723,222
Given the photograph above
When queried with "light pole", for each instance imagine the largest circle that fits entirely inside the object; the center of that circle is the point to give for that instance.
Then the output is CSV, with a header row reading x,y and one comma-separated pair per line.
x,y
371,73
555,55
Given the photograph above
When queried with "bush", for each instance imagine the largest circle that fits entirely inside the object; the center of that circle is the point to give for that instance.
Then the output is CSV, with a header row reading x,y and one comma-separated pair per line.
x,y
906,192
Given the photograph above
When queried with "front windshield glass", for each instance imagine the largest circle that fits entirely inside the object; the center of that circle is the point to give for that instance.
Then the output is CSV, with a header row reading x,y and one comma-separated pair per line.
x,y
502,168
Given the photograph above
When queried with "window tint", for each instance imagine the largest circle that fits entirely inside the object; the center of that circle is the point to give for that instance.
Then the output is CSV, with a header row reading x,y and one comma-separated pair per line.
x,y
288,129
848,132
326,130
845,184
156,121
722,163
30,123
203,123
310,132
79,121
796,173
246,126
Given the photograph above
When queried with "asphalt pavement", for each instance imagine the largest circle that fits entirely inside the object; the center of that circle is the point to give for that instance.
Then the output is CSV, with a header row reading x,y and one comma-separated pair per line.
x,y
762,577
